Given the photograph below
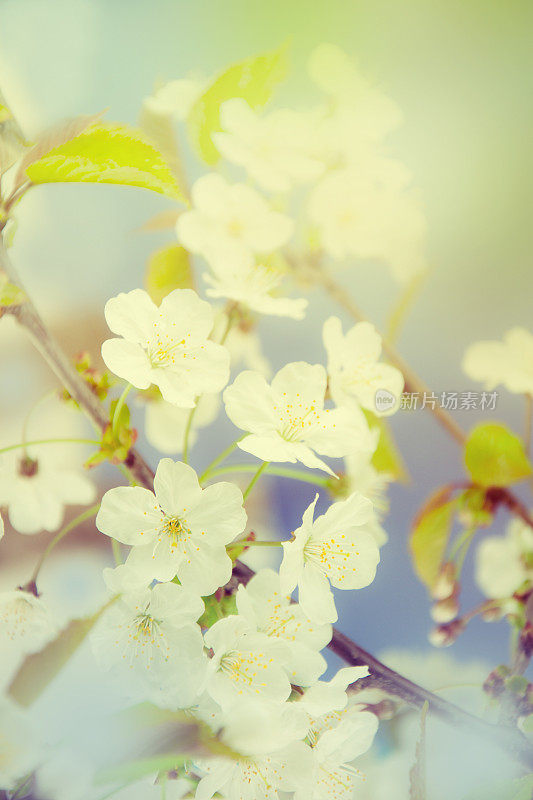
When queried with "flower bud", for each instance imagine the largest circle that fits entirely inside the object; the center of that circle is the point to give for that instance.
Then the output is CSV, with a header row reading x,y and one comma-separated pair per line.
x,y
445,635
446,583
445,610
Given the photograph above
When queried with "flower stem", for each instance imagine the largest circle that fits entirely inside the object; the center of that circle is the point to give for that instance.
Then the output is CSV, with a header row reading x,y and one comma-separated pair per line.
x,y
188,426
221,457
47,441
254,480
83,517
283,472
254,543
118,408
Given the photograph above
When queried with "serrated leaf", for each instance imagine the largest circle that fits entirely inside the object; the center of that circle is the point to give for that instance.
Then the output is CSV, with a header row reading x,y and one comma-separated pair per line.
x,y
168,268
494,456
39,669
53,138
387,457
430,535
107,153
253,79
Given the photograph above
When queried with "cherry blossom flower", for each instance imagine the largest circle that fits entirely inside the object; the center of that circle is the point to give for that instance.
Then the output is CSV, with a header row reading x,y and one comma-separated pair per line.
x,y
230,224
334,778
153,633
262,603
245,662
36,490
26,623
504,563
336,548
255,286
272,757
287,420
329,697
354,369
361,476
357,216
276,149
165,346
165,423
180,530
508,362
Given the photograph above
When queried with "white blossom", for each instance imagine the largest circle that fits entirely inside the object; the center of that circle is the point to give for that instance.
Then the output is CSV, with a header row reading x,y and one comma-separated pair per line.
x,y
167,345
262,603
165,423
326,698
26,623
508,362
230,224
255,286
245,663
36,491
504,563
354,369
287,420
361,476
358,217
152,634
180,530
272,756
276,149
336,548
175,98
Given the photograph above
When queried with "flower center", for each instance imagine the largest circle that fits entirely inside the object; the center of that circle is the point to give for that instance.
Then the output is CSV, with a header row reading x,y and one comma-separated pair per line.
x,y
296,419
164,349
177,531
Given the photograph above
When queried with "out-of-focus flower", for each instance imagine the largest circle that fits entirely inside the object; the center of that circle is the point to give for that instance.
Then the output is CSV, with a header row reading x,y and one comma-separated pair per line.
x,y
167,346
287,420
361,476
508,362
231,223
358,217
262,603
255,286
182,530
175,98
25,621
336,548
354,369
165,423
276,149
504,563
153,633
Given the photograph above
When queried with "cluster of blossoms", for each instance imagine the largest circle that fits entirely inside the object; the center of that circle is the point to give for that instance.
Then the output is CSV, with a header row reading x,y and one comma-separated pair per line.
x,y
246,663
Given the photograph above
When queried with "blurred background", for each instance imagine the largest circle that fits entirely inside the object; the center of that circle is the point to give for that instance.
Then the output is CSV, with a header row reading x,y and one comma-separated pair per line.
x,y
462,74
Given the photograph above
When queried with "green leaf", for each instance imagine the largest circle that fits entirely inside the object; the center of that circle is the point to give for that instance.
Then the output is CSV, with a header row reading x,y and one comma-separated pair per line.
x,y
253,79
39,669
387,457
168,268
430,535
159,129
494,456
217,609
106,153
